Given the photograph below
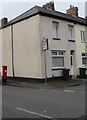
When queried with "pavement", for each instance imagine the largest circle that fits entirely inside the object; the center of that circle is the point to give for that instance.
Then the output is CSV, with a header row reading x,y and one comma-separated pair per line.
x,y
60,84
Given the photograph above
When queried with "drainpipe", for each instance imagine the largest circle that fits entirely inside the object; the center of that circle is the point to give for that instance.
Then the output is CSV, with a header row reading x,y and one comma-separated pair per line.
x,y
12,51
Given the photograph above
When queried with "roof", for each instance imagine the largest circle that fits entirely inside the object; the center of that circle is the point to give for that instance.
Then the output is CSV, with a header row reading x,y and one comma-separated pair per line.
x,y
49,13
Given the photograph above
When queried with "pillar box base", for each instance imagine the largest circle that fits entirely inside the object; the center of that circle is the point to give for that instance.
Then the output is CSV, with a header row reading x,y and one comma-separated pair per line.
x,y
4,81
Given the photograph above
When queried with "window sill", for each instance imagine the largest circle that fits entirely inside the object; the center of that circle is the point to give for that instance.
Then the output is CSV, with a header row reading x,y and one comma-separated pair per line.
x,y
84,65
83,41
56,39
60,68
71,40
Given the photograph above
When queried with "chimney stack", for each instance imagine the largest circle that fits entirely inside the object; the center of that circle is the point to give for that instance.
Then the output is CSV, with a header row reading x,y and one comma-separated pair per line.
x,y
72,11
3,21
49,5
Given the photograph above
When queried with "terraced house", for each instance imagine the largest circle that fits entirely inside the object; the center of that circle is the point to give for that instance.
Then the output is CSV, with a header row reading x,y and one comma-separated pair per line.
x,y
81,41
42,42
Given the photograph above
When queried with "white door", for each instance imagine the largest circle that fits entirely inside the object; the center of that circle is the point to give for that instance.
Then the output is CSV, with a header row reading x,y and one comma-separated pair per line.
x,y
71,63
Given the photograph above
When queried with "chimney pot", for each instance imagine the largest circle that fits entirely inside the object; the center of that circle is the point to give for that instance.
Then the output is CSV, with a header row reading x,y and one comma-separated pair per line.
x,y
71,6
4,21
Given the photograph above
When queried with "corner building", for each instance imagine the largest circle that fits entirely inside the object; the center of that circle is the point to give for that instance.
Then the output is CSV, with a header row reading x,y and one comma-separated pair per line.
x,y
22,43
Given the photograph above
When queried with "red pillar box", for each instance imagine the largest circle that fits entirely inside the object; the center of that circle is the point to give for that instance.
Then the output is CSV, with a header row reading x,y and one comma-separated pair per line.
x,y
4,72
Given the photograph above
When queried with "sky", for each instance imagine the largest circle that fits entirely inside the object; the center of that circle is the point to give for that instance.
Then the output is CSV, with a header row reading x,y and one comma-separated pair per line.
x,y
13,8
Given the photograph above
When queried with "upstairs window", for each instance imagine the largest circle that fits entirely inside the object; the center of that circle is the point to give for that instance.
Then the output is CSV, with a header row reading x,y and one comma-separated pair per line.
x,y
55,30
70,32
82,35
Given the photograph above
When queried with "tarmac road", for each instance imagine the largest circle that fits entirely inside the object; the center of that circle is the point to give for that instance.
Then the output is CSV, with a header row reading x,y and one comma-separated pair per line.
x,y
41,103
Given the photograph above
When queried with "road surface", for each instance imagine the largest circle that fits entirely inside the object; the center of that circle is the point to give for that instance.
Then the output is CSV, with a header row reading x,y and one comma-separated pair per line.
x,y
42,103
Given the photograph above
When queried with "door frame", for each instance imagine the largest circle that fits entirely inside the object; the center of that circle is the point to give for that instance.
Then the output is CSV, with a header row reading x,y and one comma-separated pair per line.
x,y
72,62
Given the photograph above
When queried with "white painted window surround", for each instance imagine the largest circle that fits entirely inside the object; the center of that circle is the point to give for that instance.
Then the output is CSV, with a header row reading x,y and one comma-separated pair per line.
x,y
82,36
70,32
55,27
57,59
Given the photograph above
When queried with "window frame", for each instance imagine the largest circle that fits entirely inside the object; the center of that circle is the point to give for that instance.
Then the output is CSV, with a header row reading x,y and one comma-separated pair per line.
x,y
71,37
82,36
84,56
56,36
58,56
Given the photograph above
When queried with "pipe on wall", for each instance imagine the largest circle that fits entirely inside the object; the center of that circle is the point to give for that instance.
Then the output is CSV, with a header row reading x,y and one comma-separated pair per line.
x,y
12,51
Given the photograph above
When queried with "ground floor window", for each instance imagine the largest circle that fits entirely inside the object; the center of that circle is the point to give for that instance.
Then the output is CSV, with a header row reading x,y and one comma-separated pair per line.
x,y
84,59
57,59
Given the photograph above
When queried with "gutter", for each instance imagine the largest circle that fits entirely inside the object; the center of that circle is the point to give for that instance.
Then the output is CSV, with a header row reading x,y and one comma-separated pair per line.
x,y
47,13
62,18
11,23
